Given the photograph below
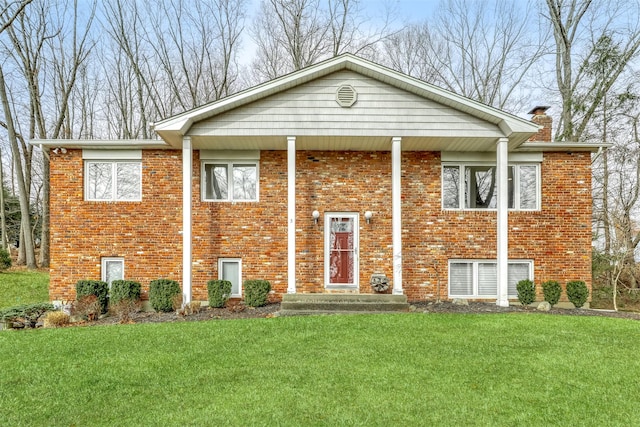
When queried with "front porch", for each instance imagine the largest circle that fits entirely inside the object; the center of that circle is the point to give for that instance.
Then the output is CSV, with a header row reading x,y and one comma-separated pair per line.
x,y
344,303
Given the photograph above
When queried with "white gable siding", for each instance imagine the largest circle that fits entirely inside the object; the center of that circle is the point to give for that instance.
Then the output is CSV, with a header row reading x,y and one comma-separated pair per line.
x,y
311,110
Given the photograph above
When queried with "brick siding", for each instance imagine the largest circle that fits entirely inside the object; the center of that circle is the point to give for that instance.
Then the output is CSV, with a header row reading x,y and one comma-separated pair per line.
x,y
148,233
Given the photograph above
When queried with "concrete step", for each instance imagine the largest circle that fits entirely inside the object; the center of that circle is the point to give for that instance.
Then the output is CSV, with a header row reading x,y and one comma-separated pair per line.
x,y
305,304
328,312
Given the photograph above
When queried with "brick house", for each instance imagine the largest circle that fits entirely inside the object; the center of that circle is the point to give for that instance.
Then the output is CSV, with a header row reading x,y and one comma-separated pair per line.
x,y
322,181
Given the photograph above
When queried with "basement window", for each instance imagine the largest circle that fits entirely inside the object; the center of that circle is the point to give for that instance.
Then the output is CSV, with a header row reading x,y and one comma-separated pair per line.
x,y
112,269
231,269
478,278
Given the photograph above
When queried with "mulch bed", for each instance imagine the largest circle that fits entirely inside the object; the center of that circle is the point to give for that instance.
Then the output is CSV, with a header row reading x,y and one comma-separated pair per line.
x,y
239,311
485,307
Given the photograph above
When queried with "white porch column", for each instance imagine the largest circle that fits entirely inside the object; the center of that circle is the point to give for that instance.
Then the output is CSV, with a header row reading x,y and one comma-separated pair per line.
x,y
396,209
502,161
187,173
291,215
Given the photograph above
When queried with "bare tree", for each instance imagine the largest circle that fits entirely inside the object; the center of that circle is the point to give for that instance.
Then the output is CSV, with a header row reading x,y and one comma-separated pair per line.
x,y
483,50
9,10
580,28
168,56
48,46
292,34
27,239
408,52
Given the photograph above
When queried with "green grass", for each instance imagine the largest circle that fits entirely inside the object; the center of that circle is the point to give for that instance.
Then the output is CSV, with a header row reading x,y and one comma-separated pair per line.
x,y
18,287
408,369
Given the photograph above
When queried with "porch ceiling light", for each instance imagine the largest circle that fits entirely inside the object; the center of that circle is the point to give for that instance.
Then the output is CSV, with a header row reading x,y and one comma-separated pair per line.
x,y
368,215
315,214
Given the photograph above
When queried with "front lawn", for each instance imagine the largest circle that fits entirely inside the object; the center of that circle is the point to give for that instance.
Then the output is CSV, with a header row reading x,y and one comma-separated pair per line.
x,y
19,287
402,369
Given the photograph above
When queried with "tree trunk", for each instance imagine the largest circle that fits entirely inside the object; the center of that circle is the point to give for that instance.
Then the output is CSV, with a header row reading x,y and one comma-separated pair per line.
x,y
27,241
3,215
44,236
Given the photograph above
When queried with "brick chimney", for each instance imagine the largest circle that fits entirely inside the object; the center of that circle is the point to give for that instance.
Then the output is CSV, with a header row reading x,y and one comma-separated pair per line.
x,y
540,118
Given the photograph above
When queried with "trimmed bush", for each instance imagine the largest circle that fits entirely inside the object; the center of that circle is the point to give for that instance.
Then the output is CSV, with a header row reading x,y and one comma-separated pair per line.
x,y
552,291
124,289
161,294
26,315
526,291
5,259
94,287
256,292
219,292
577,292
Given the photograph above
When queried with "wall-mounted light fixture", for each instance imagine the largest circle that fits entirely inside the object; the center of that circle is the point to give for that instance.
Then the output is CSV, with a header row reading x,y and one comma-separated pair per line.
x,y
59,150
315,215
367,216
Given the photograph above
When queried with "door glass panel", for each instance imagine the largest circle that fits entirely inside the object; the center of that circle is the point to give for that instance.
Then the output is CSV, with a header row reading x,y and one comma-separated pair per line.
x,y
341,251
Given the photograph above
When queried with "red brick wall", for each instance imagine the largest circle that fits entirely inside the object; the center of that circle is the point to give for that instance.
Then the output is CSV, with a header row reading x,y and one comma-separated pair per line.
x,y
557,238
147,234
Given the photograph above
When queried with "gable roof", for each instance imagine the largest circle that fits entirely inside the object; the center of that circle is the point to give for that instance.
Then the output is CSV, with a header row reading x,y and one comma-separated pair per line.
x,y
517,129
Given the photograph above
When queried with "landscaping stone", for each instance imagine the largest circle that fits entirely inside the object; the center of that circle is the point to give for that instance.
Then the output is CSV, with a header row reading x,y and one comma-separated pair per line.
x,y
544,306
460,301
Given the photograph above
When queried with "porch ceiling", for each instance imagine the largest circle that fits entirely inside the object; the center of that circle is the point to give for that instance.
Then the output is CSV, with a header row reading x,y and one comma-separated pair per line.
x,y
344,143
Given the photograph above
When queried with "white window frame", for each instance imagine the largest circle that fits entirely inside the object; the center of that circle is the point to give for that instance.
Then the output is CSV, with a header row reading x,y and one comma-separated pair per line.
x,y
114,180
475,262
230,181
238,261
516,185
103,269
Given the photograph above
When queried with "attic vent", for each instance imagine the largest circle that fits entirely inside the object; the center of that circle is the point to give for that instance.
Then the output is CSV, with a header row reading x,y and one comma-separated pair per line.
x,y
346,96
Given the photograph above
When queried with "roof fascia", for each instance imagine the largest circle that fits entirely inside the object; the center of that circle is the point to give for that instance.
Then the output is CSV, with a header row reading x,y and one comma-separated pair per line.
x,y
106,144
562,146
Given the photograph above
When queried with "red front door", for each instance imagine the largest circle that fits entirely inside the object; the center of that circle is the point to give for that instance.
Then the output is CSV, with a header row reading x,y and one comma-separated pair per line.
x,y
342,250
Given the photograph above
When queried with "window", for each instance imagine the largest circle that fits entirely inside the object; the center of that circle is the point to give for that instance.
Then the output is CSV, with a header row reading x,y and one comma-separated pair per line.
x,y
231,269
112,269
478,188
478,279
113,180
230,181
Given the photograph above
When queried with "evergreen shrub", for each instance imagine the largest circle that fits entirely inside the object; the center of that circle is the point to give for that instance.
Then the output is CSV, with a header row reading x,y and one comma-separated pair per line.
x,y
219,292
27,314
552,291
5,259
526,291
577,292
256,292
98,288
124,289
162,293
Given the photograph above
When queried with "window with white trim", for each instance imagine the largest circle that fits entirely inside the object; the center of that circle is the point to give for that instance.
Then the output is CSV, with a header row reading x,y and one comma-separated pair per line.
x,y
113,180
230,181
474,186
231,269
478,278
112,269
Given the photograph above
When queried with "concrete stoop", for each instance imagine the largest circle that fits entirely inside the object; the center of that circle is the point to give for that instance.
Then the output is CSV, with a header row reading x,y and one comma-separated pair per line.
x,y
308,304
